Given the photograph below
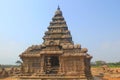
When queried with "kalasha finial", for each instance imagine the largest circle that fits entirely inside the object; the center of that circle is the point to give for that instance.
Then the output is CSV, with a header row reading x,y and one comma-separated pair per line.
x,y
58,12
58,8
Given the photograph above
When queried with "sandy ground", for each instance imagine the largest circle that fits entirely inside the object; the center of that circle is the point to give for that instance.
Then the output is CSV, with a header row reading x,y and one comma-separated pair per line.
x,y
108,78
105,78
10,79
95,71
109,73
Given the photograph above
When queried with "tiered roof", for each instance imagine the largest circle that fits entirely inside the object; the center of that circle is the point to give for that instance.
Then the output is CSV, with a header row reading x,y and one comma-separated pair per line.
x,y
58,30
57,40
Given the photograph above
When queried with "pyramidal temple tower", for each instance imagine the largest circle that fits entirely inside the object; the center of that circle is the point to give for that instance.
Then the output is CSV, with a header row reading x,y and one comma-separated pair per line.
x,y
57,58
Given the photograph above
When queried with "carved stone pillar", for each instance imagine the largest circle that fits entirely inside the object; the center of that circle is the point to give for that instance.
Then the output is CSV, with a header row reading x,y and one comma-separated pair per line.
x,y
22,68
60,66
75,66
48,65
26,67
63,66
42,65
82,68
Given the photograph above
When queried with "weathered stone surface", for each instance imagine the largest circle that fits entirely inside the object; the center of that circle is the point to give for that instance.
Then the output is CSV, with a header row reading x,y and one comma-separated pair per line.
x,y
57,58
3,73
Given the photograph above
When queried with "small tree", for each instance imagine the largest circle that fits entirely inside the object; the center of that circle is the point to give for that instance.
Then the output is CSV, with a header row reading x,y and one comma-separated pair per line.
x,y
18,62
100,63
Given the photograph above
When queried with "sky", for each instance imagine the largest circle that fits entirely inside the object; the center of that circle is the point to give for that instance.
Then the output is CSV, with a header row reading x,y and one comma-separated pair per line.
x,y
95,24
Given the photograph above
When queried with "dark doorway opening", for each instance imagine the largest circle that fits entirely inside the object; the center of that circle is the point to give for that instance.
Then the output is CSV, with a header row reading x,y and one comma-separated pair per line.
x,y
52,64
54,61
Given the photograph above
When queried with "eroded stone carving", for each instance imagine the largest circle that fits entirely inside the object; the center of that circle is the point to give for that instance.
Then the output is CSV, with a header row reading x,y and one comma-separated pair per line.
x,y
57,56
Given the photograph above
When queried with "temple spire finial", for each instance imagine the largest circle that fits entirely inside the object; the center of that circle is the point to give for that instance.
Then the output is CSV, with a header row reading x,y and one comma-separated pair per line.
x,y
58,8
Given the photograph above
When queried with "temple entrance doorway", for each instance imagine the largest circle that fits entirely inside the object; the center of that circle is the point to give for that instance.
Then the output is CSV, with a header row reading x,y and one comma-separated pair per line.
x,y
52,64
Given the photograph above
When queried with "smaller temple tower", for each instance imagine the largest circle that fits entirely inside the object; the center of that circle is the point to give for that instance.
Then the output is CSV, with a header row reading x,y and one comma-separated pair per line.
x,y
57,58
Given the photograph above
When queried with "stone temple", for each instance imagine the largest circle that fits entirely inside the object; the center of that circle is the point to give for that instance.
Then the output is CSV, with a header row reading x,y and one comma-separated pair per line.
x,y
57,58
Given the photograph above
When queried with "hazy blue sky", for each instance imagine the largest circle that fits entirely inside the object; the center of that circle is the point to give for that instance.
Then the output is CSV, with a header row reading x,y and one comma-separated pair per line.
x,y
94,24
